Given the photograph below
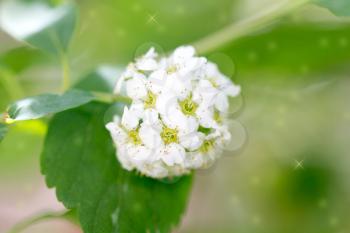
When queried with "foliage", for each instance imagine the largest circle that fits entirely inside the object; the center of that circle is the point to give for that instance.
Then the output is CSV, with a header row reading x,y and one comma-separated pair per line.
x,y
108,198
19,59
41,105
338,7
50,28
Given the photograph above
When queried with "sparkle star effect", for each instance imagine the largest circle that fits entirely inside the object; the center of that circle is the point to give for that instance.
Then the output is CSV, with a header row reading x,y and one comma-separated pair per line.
x,y
152,19
299,164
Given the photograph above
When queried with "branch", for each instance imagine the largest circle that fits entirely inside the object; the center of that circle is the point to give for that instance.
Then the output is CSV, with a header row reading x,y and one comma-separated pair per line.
x,y
110,98
65,72
238,29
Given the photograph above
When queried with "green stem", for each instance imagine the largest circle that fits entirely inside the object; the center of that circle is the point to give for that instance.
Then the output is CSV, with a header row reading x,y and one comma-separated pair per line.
x,y
110,98
36,219
244,27
65,72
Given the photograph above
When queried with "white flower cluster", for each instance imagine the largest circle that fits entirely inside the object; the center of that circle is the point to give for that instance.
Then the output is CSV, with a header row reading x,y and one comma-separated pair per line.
x,y
176,122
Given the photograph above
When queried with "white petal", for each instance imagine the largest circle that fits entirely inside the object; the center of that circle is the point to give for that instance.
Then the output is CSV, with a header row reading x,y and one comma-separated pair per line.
x,y
123,157
213,135
151,116
183,52
136,88
138,154
205,114
188,126
165,102
190,65
157,81
174,118
119,136
211,70
192,141
173,154
119,86
232,90
129,119
194,160
223,136
221,102
179,86
156,170
137,108
221,80
146,64
205,93
150,136
151,53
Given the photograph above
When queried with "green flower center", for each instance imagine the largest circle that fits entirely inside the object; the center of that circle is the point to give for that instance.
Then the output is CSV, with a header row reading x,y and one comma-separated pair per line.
x,y
134,137
217,117
213,82
206,146
150,100
171,69
169,135
188,106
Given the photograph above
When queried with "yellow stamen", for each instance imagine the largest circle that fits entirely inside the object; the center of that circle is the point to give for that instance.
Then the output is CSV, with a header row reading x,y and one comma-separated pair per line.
x,y
134,137
171,69
188,106
169,135
213,82
150,101
217,117
206,146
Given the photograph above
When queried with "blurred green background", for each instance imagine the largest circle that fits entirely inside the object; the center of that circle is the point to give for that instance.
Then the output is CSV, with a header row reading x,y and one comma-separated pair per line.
x,y
292,175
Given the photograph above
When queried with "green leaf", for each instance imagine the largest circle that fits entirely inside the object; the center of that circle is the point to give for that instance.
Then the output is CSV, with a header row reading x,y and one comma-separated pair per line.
x,y
3,131
79,161
21,58
338,7
102,79
50,27
41,105
108,198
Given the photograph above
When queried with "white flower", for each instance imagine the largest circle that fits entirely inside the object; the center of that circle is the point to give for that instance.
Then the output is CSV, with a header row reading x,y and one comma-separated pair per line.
x,y
177,119
147,62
